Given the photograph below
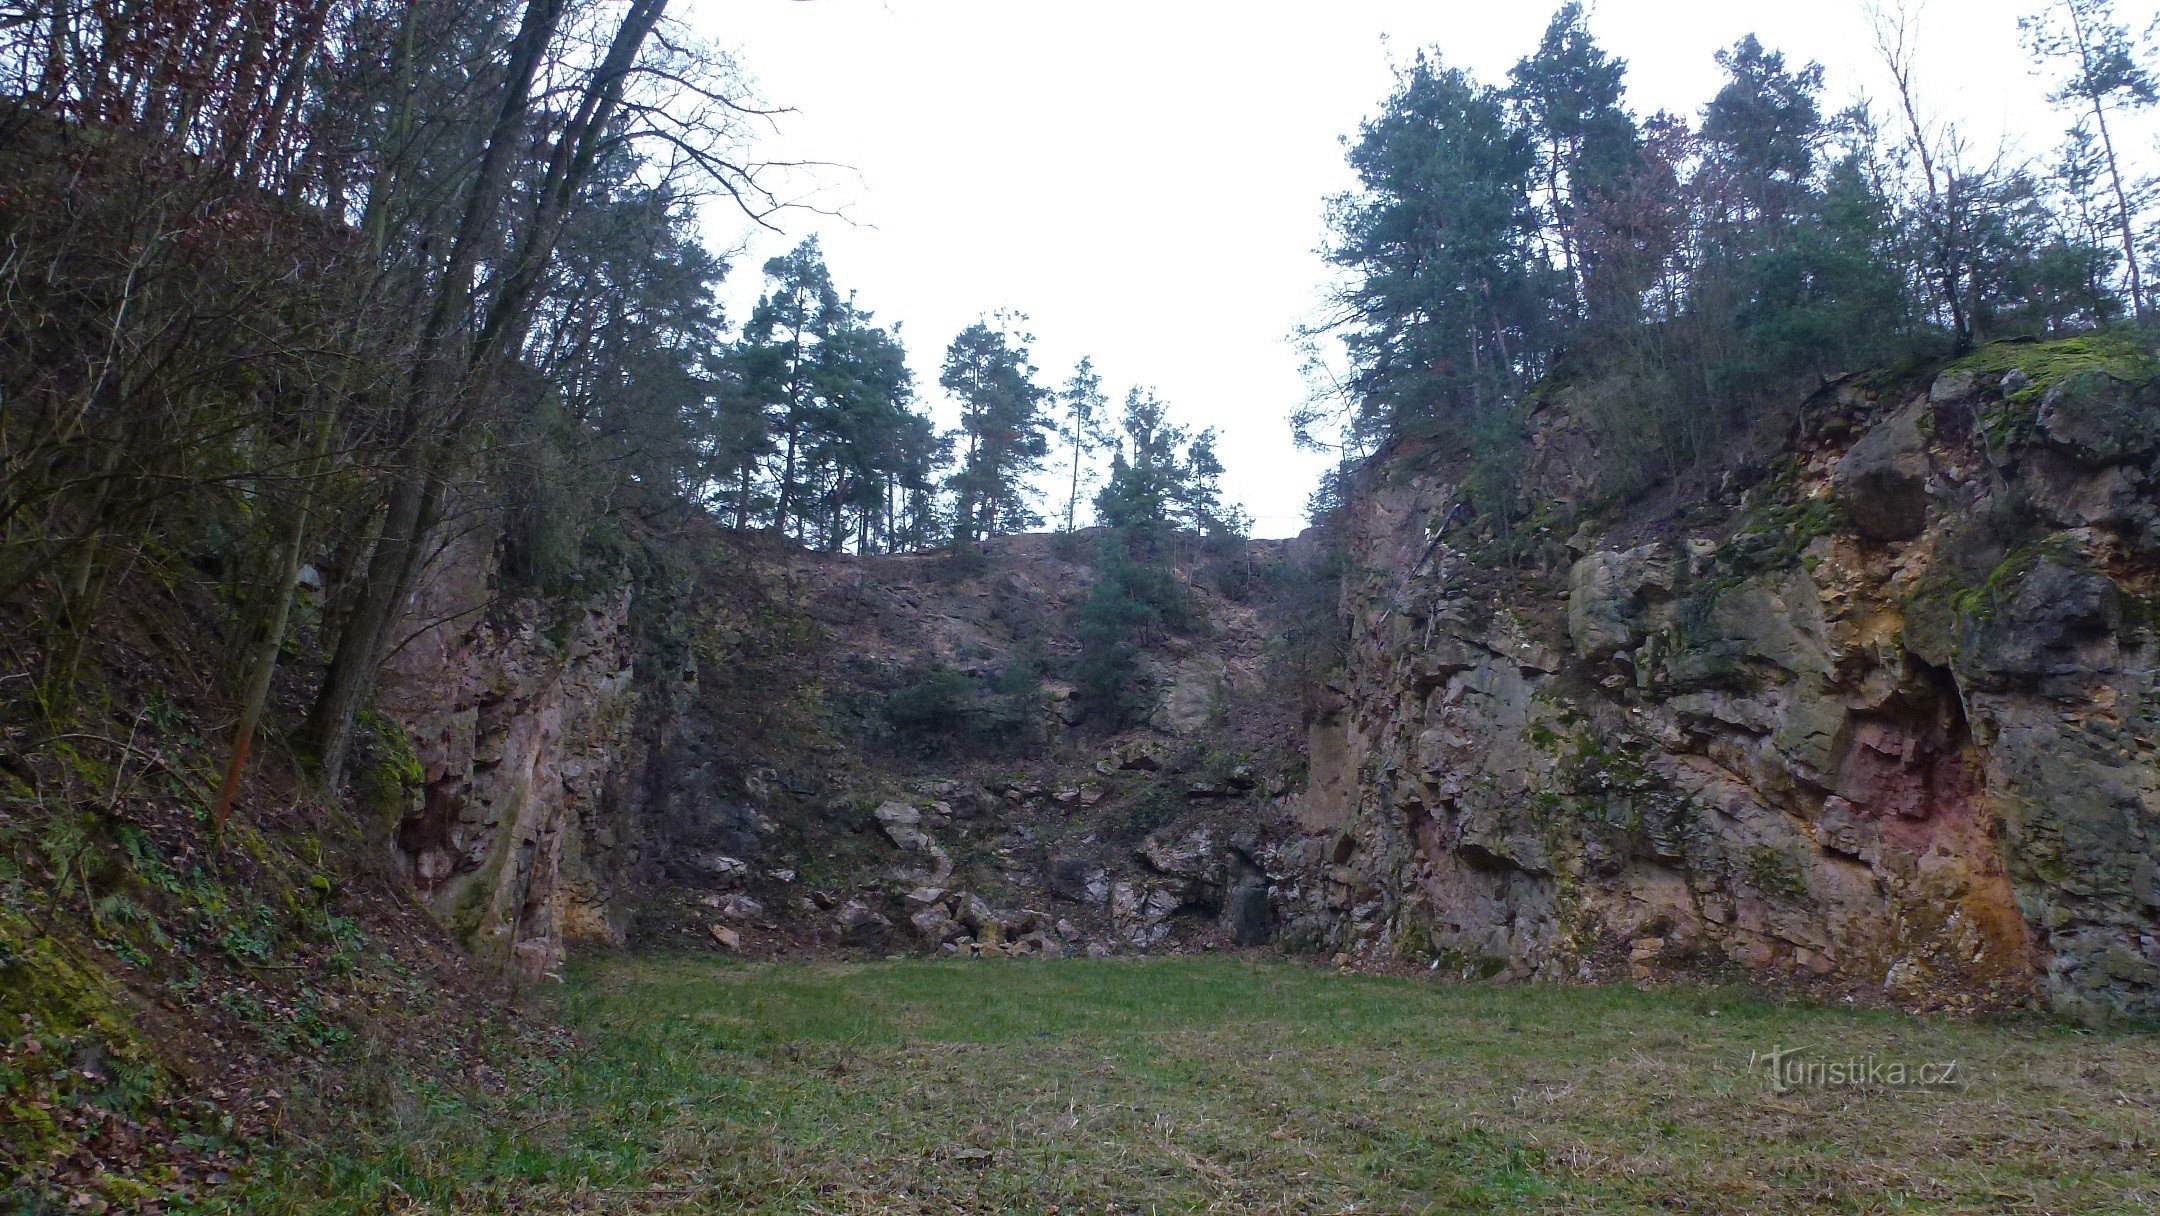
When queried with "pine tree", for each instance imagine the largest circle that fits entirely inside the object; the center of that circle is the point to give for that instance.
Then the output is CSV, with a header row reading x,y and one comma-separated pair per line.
x,y
1761,132
1447,304
1569,95
1002,435
780,353
1083,428
822,400
2102,74
1164,486
1138,502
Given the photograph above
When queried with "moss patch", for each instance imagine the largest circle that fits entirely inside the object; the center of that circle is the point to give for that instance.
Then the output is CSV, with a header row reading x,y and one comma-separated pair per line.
x,y
2114,353
64,1044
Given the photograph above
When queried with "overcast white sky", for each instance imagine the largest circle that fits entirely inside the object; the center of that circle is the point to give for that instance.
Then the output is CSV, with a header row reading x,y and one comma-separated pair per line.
x,y
1144,178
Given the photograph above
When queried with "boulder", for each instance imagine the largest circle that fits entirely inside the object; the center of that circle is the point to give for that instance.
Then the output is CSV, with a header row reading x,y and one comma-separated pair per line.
x,y
902,823
1140,912
1882,480
740,907
977,914
723,868
2046,620
1845,830
1248,914
860,923
728,939
937,926
1951,388
1609,592
2101,419
1190,862
1187,856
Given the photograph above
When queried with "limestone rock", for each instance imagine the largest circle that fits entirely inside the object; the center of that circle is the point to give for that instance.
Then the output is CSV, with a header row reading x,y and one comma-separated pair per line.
x,y
937,926
858,923
1247,912
740,907
976,913
1190,862
1882,480
1136,756
1608,593
2101,419
2047,621
1193,697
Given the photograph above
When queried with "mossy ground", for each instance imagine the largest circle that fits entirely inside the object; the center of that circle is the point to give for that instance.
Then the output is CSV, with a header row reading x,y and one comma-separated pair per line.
x,y
1173,1085
2118,353
161,981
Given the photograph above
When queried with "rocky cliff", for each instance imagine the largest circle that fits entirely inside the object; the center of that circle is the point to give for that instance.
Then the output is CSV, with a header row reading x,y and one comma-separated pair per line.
x,y
1870,712
773,750
511,817
1873,713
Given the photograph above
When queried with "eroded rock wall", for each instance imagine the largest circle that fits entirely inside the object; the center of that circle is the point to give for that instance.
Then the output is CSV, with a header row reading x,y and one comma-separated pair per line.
x,y
704,749
521,822
1878,716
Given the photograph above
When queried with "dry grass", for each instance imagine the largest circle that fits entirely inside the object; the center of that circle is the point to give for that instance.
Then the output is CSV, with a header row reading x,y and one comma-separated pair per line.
x,y
1217,1085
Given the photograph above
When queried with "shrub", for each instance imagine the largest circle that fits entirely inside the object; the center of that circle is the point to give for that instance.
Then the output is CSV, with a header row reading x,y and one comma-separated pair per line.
x,y
935,705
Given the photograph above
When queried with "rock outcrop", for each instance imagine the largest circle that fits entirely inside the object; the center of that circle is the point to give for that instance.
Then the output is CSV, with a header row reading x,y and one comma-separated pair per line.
x,y
1880,718
1876,716
556,770
516,825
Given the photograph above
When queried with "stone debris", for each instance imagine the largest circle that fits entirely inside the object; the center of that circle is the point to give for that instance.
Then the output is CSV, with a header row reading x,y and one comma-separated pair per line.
x,y
725,868
740,907
936,925
858,922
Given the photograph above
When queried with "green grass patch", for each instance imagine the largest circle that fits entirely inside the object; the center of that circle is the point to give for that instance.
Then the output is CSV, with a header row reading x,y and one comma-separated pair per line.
x,y
1189,1085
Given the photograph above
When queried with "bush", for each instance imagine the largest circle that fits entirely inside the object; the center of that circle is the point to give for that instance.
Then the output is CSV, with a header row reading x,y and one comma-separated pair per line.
x,y
1130,604
935,705
946,708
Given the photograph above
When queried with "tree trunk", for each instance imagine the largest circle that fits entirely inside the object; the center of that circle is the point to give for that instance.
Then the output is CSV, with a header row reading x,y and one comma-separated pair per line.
x,y
359,649
2107,147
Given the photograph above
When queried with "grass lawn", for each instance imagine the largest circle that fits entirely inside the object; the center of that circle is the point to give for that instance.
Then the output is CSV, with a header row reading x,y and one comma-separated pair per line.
x,y
1220,1085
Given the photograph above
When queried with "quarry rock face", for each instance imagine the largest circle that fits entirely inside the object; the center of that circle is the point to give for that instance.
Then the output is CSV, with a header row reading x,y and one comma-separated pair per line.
x,y
1876,717
519,720
519,726
554,770
1883,720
